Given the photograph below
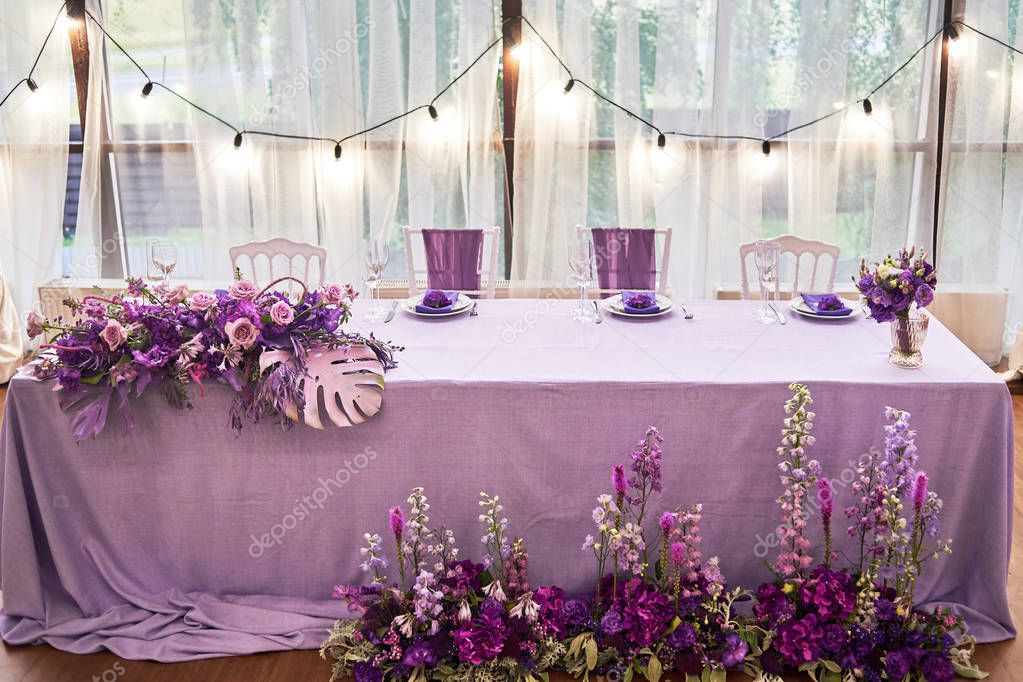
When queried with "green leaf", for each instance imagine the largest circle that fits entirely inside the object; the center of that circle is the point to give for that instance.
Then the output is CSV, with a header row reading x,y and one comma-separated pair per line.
x,y
628,674
971,672
718,676
832,666
591,654
692,678
654,669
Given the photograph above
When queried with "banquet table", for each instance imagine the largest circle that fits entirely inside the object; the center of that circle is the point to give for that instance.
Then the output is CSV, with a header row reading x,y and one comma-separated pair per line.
x,y
183,539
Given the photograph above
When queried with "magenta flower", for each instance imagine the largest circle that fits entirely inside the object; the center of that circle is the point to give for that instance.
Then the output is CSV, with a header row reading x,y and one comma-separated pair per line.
x,y
825,496
799,640
920,491
618,482
666,522
397,521
678,553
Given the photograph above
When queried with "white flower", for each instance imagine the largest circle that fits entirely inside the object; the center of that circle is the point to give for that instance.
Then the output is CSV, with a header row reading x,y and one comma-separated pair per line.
x,y
464,613
526,608
494,590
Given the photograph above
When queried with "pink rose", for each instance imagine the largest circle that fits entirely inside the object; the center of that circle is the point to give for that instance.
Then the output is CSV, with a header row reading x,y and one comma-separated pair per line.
x,y
202,302
281,313
241,332
243,289
34,324
332,293
114,334
177,294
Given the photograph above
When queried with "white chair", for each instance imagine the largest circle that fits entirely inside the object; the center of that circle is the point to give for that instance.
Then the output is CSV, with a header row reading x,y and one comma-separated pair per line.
x,y
283,257
661,266
488,255
797,247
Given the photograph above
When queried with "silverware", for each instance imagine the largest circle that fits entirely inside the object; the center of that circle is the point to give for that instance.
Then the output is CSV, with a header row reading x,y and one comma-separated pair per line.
x,y
777,313
685,310
473,312
390,315
598,318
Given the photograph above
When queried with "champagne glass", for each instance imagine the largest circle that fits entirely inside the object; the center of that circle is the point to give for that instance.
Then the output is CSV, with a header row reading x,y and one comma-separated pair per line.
x,y
376,254
163,257
580,261
767,257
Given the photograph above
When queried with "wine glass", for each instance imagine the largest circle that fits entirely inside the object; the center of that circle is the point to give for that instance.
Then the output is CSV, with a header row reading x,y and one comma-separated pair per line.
x,y
767,256
580,261
376,254
163,257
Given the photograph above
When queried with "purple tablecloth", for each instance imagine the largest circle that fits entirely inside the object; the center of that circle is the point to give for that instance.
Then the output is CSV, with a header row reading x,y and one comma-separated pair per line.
x,y
184,540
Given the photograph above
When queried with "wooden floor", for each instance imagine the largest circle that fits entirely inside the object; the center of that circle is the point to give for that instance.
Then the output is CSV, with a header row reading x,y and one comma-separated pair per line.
x,y
44,664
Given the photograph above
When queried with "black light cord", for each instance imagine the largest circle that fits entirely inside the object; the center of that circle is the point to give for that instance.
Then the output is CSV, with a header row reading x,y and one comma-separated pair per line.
x,y
948,30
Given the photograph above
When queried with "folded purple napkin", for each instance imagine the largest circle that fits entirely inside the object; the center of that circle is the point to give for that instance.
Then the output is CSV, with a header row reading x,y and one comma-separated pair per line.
x,y
640,302
827,305
436,301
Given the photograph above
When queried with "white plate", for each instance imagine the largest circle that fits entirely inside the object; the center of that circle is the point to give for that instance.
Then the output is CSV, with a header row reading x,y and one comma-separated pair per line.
x,y
799,306
615,306
461,305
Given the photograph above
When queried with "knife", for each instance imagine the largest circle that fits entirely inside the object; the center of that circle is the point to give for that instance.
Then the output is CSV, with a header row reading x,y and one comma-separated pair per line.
x,y
390,315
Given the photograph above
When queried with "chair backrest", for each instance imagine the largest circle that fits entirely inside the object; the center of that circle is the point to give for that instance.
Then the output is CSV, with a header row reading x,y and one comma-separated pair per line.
x,y
473,250
798,247
606,261
281,255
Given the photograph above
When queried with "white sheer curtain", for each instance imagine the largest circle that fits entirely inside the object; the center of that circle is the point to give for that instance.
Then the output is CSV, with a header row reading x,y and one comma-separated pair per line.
x,y
33,152
982,245
322,69
709,66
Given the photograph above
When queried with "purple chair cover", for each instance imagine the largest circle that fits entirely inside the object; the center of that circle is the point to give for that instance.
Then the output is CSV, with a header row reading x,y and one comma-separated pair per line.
x,y
625,258
454,259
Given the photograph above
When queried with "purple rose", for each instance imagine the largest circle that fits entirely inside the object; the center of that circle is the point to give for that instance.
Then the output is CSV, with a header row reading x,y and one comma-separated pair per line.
x,y
241,332
612,623
435,299
897,664
114,334
924,296
576,611
682,637
420,653
367,672
202,301
937,668
640,301
243,290
35,324
281,313
833,638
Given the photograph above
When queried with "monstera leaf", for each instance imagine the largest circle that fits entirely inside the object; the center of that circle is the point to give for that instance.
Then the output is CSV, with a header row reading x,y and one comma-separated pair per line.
x,y
349,381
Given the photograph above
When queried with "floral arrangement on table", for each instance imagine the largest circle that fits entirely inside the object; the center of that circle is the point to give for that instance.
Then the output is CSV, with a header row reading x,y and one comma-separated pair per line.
x,y
857,622
268,348
891,287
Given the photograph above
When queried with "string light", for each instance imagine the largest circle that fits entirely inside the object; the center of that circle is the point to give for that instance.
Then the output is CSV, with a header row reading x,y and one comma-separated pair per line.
x,y
519,51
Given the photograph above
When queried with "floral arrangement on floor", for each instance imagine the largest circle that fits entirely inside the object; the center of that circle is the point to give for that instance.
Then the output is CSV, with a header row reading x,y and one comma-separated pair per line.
x,y
856,622
447,618
657,608
892,286
257,341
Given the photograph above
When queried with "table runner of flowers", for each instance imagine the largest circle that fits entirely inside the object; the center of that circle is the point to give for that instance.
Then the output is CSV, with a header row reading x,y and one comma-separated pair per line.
x,y
658,607
258,341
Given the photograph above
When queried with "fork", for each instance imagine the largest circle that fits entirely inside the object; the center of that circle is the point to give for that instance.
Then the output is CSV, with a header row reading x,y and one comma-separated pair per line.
x,y
597,317
685,310
473,312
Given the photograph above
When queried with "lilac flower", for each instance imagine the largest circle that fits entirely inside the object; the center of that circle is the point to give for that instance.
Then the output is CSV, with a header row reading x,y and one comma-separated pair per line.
x,y
682,637
435,298
646,467
924,296
735,651
826,497
797,475
897,664
830,302
576,612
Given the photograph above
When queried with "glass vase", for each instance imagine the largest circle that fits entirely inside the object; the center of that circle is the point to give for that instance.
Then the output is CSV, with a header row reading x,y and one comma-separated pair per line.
x,y
908,334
